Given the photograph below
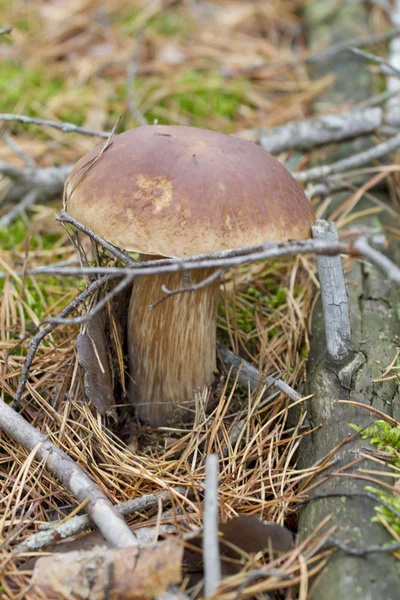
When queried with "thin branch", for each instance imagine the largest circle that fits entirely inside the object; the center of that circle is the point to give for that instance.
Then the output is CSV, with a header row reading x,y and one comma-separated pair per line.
x,y
27,201
192,288
309,133
211,558
98,307
39,337
385,67
60,125
378,259
231,258
328,53
130,80
100,509
352,162
63,217
28,160
80,523
249,376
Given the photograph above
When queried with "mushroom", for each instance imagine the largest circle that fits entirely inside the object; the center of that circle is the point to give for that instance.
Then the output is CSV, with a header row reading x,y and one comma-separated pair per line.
x,y
173,191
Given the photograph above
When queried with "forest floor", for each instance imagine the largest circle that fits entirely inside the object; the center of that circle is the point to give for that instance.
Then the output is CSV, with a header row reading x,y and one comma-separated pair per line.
x,y
223,65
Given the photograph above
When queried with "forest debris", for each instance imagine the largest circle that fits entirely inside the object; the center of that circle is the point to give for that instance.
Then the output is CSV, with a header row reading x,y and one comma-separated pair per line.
x,y
103,573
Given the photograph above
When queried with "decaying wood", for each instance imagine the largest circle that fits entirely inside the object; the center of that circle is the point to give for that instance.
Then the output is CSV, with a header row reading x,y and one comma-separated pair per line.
x,y
99,508
350,375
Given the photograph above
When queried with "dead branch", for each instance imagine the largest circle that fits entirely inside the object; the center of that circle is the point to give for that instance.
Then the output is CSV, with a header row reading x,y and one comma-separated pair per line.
x,y
385,67
100,509
334,295
61,125
352,162
48,181
63,217
192,288
11,143
233,258
249,376
309,133
328,53
78,524
211,558
27,201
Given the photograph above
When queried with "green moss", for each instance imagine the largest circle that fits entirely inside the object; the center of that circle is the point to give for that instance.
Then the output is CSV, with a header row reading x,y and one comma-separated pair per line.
x,y
386,513
29,87
384,437
387,438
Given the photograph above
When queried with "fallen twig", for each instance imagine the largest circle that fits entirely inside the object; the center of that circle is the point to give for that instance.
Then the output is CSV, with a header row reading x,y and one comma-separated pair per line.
x,y
27,201
211,558
328,53
249,376
352,162
76,525
63,217
231,258
100,509
61,125
309,133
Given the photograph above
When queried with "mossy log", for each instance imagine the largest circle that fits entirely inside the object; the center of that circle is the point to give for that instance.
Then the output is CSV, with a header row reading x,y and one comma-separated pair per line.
x,y
375,327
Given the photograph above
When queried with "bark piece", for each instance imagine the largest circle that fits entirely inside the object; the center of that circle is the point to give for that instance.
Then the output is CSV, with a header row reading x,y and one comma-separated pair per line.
x,y
103,573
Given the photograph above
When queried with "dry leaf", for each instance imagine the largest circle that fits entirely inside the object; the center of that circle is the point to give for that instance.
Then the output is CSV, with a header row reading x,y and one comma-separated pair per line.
x,y
93,357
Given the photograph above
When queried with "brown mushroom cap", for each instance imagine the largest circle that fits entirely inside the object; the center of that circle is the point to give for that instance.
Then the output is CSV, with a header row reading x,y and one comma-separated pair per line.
x,y
179,191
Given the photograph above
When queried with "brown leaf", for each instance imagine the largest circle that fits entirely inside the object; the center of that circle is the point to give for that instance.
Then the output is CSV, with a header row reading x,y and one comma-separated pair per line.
x,y
93,357
250,534
125,573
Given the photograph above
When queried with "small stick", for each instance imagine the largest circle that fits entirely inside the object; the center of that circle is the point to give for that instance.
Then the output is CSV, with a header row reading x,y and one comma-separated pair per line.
x,y
61,125
28,160
334,295
80,523
27,201
248,375
64,217
211,558
99,508
192,288
352,162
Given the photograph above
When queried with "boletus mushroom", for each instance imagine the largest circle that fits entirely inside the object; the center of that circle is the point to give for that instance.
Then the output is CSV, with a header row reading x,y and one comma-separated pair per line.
x,y
172,191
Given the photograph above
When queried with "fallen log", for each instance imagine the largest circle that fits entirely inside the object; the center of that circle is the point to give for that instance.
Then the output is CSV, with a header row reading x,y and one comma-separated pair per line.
x,y
343,368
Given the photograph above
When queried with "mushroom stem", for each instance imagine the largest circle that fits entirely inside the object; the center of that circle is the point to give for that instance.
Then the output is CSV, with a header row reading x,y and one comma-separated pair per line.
x,y
172,349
